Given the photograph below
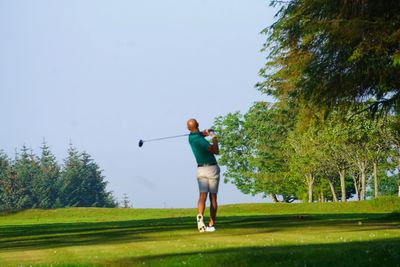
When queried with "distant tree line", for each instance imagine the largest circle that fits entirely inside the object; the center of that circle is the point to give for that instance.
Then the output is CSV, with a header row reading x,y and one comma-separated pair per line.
x,y
31,181
283,152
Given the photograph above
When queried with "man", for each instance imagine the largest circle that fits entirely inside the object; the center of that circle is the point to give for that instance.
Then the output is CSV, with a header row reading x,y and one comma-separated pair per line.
x,y
207,172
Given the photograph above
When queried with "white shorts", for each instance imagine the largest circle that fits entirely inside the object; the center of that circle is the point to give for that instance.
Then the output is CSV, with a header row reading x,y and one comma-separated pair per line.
x,y
208,178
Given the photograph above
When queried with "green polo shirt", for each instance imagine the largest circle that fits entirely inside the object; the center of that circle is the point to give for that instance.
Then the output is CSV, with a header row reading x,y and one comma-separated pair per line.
x,y
200,149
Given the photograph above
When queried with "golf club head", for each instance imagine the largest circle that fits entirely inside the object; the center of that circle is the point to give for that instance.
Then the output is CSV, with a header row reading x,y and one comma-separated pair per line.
x,y
141,143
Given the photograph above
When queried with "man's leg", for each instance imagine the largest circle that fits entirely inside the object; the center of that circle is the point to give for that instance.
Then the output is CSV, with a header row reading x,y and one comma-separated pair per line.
x,y
201,205
213,208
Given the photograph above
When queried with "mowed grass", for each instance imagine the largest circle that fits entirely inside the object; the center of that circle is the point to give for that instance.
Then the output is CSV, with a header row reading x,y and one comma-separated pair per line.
x,y
317,234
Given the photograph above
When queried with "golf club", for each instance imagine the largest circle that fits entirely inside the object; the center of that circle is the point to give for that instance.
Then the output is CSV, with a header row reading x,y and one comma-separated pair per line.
x,y
141,142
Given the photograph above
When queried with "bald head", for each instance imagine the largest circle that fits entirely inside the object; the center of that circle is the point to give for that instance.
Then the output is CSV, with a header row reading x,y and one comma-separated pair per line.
x,y
192,125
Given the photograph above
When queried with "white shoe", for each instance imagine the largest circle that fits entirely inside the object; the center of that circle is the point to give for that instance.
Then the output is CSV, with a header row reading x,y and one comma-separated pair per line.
x,y
210,229
200,224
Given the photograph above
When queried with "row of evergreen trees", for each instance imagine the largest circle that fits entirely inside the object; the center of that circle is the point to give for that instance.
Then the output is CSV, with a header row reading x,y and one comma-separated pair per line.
x,y
31,181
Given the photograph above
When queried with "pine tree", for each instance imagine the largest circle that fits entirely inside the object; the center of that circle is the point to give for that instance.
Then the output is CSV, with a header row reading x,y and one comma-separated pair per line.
x,y
82,183
11,187
126,201
70,179
94,185
3,177
46,186
26,169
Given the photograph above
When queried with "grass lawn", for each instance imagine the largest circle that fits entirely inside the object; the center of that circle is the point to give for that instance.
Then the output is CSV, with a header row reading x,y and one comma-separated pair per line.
x,y
316,234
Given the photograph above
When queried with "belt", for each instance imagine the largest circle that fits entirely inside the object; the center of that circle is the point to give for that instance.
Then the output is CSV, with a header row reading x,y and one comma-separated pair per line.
x,y
208,164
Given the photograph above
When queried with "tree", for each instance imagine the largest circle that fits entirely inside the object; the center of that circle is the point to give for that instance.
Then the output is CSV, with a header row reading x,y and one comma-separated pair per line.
x,y
358,134
394,137
11,187
26,172
388,184
81,182
334,54
333,148
126,201
93,187
4,168
70,179
46,186
252,147
236,148
270,125
306,156
304,159
328,62
380,150
29,181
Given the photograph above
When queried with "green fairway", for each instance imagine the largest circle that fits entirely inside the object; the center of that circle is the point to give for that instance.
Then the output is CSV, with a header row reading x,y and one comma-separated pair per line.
x,y
317,234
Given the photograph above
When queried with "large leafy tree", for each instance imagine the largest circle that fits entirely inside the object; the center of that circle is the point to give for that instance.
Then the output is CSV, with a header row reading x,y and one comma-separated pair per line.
x,y
253,148
334,53
337,58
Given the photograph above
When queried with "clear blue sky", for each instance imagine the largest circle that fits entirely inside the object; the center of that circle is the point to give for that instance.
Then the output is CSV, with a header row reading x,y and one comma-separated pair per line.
x,y
104,74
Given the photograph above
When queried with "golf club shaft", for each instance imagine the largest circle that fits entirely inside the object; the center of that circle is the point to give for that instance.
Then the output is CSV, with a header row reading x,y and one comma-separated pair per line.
x,y
168,137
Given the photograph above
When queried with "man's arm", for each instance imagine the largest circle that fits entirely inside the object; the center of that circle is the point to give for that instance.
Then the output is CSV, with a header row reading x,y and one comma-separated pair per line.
x,y
213,148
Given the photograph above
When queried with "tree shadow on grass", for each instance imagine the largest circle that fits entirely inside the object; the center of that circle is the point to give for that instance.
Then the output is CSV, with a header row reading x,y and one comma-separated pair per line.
x,y
369,253
42,236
